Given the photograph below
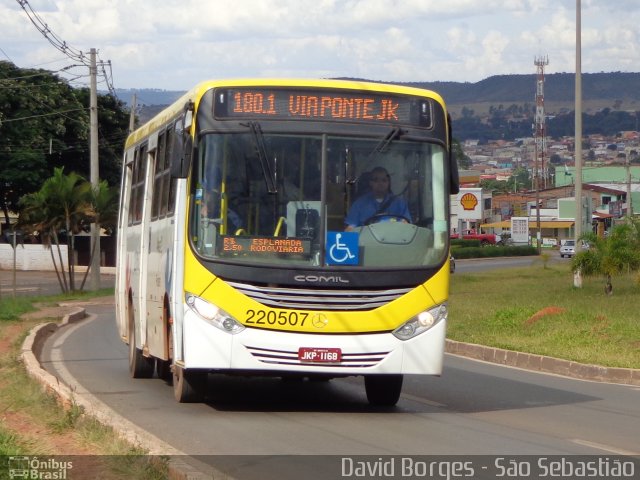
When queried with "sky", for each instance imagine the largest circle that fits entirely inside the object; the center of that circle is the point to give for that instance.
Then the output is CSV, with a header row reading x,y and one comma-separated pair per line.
x,y
175,44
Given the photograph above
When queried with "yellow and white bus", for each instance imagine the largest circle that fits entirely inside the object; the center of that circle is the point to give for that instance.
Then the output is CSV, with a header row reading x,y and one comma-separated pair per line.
x,y
252,241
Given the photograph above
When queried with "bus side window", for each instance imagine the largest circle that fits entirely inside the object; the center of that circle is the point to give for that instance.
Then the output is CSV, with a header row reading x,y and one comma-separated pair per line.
x,y
133,169
140,183
156,203
170,182
137,185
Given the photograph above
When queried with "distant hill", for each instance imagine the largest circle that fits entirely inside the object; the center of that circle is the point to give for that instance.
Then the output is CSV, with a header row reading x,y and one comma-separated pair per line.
x,y
616,90
558,87
148,96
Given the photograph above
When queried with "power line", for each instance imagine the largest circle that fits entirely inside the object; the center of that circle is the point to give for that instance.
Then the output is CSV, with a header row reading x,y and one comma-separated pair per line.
x,y
92,63
8,82
73,53
42,115
6,55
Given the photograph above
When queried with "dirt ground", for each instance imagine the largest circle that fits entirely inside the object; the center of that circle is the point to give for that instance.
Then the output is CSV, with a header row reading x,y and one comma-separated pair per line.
x,y
88,459
34,431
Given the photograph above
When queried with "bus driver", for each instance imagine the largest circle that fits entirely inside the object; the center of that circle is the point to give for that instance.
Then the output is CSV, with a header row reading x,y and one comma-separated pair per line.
x,y
378,203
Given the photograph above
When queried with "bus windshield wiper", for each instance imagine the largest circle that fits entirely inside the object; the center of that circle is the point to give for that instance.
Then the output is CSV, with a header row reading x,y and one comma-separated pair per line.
x,y
382,145
267,171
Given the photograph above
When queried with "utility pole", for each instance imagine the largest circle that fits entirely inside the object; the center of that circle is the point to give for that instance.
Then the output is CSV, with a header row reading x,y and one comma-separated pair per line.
x,y
78,56
94,167
577,276
132,114
629,202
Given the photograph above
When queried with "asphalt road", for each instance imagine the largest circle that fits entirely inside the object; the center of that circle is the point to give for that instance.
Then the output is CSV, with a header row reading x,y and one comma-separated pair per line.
x,y
481,264
36,283
475,408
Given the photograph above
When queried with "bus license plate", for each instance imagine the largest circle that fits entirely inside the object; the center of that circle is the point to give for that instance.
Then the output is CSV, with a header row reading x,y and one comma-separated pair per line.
x,y
319,355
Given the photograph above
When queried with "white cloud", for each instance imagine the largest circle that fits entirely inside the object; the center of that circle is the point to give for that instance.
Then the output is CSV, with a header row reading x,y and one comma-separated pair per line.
x,y
173,44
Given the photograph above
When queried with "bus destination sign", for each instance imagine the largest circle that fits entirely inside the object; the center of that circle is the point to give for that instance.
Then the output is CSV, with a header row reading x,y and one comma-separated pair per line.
x,y
233,245
341,105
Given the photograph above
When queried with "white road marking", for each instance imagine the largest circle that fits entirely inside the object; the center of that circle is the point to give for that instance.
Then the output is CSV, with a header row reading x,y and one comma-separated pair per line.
x,y
605,448
415,398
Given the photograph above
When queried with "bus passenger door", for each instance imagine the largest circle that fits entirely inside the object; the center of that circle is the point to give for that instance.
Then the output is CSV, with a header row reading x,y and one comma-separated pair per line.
x,y
159,255
155,288
145,235
123,267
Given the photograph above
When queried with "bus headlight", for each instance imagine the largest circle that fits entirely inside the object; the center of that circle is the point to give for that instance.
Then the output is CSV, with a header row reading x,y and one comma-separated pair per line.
x,y
421,322
213,314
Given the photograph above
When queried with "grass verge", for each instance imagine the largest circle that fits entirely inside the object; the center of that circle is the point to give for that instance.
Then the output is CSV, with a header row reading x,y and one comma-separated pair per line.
x,y
538,310
32,422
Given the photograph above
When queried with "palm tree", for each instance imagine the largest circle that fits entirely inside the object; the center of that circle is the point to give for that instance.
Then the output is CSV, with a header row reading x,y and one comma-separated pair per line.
x,y
613,255
61,206
34,219
104,206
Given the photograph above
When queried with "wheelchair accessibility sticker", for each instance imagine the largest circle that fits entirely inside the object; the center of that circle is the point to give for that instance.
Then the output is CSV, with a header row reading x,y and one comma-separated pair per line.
x,y
342,248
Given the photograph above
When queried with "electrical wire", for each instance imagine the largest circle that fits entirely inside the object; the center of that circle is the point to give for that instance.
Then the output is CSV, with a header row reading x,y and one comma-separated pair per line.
x,y
53,39
73,53
41,115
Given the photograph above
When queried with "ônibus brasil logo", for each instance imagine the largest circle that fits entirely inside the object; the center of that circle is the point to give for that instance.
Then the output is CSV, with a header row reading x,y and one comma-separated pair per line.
x,y
35,468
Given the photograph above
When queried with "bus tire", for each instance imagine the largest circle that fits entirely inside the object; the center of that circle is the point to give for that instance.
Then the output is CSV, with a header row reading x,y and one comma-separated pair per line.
x,y
188,385
163,367
383,390
139,365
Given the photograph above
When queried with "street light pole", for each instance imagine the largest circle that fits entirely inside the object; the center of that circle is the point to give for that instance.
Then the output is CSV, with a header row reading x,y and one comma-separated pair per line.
x,y
538,231
577,277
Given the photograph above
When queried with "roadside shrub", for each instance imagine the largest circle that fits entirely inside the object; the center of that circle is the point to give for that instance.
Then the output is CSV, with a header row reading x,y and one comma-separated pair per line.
x,y
461,243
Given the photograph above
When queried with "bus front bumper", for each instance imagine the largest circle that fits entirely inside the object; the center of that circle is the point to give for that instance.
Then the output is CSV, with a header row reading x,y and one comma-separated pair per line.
x,y
207,347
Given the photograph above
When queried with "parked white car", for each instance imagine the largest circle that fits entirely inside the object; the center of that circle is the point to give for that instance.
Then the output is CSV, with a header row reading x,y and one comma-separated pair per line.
x,y
568,249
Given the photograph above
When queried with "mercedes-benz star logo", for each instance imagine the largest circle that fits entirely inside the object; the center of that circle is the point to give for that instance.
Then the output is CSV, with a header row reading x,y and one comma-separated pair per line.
x,y
319,320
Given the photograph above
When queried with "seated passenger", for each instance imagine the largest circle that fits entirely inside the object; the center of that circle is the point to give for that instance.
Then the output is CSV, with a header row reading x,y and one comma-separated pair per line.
x,y
379,203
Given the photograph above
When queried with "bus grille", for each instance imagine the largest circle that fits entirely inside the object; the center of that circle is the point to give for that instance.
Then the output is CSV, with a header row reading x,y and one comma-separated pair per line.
x,y
290,357
318,299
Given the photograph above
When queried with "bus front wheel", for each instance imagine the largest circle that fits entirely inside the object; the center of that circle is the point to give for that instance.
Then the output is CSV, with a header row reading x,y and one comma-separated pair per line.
x,y
188,385
383,390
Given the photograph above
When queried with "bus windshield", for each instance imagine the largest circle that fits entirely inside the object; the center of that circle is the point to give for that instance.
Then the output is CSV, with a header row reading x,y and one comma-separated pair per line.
x,y
319,200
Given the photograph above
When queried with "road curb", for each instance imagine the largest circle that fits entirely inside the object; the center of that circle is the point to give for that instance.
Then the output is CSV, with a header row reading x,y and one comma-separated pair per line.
x,y
541,363
178,469
30,351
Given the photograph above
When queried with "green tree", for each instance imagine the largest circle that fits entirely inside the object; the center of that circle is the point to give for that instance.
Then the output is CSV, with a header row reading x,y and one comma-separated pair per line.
x,y
496,186
104,205
463,160
62,207
617,253
467,112
520,179
28,129
44,124
113,128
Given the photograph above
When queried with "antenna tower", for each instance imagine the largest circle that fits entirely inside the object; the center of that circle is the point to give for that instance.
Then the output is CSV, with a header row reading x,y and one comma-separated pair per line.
x,y
540,63
540,131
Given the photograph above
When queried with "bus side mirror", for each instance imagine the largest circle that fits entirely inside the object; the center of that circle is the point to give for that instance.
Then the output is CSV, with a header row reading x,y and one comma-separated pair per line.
x,y
454,176
182,147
